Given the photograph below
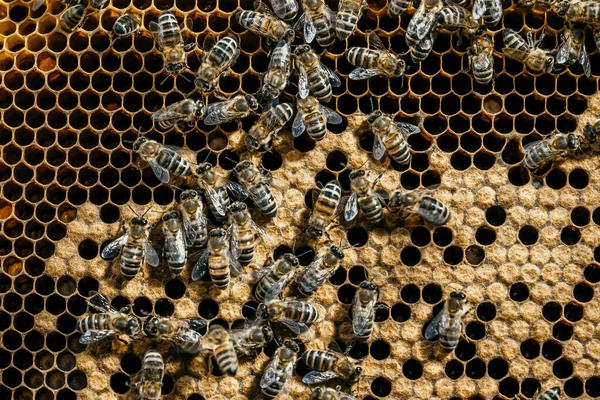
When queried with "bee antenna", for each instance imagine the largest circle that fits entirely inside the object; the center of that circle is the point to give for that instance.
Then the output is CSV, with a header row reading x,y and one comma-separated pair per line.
x,y
176,187
184,77
372,105
249,306
164,80
146,212
207,155
230,159
294,245
363,164
303,254
131,208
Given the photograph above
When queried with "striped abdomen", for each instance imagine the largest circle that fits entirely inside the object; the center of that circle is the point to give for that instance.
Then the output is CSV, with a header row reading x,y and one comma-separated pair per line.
x,y
453,17
449,337
397,147
72,17
282,113
170,27
201,233
95,321
316,125
280,58
247,243
348,15
590,13
325,32
153,366
253,21
264,285
263,198
301,312
225,202
175,266
226,358
328,200
131,259
397,7
362,57
278,381
320,86
320,360
434,210
537,155
371,208
223,51
513,40
192,344
218,268
550,394
173,162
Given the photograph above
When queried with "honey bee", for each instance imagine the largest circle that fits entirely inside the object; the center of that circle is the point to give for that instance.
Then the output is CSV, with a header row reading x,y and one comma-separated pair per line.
x,y
391,136
278,373
72,18
218,57
38,3
326,393
217,260
278,73
423,21
285,9
421,50
108,322
149,386
318,22
182,114
325,208
275,276
294,314
220,342
481,58
314,77
271,121
264,23
541,152
454,16
249,340
365,197
163,160
134,246
330,364
243,233
175,250
311,278
376,60
421,203
237,107
194,221
99,4
528,52
397,7
363,310
489,10
586,11
349,12
572,49
590,133
182,332
448,322
169,40
256,181
313,117
215,188
550,394
126,25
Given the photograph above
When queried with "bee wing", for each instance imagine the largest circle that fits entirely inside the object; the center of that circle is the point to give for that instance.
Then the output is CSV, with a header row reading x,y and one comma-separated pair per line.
x,y
358,74
332,116
93,335
361,315
562,55
218,113
277,288
188,335
157,33
265,236
101,303
258,274
375,42
333,78
297,327
235,266
162,174
345,396
196,323
237,189
378,148
482,62
308,27
263,8
584,60
113,248
150,254
423,24
176,248
407,129
270,376
215,199
298,125
191,232
201,267
516,54
351,209
278,8
433,329
235,241
479,9
317,377
303,86
330,15
37,4
169,113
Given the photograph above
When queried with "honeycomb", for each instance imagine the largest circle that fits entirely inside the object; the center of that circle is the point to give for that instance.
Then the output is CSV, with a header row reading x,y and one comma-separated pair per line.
x,y
525,248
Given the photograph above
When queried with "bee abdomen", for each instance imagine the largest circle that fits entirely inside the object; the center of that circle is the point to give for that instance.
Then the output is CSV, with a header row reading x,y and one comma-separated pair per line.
x,y
277,384
329,199
189,346
397,7
303,312
226,359
223,51
95,321
362,57
449,338
319,85
131,260
174,163
219,271
319,360
250,19
169,25
434,210
72,17
345,24
398,149
153,366
366,334
325,34
316,126
372,209
264,200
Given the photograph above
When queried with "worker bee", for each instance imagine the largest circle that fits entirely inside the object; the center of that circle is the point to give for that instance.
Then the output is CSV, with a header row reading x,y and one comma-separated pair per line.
x,y
194,221
218,57
149,386
481,58
275,276
169,40
237,107
326,393
264,23
182,114
271,121
325,208
318,22
590,133
182,332
215,188
243,233
489,10
365,197
285,9
397,7
363,310
38,3
108,322
134,247
278,373
550,394
528,52
126,25
175,250
391,136
453,17
421,50
421,203
311,278
541,152
376,60
313,117
217,260
448,322
249,340
349,12
278,73
256,181
572,48
294,314
330,364
163,160
586,11
314,77
423,21
220,342
72,17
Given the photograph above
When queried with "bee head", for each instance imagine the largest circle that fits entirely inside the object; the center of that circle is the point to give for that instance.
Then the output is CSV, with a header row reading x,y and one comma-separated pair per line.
x,y
151,326
356,174
238,206
292,259
174,68
293,346
314,232
242,165
217,232
337,251
251,143
458,295
133,326
188,194
139,221
139,142
252,102
367,285
262,312
316,394
355,374
267,333
374,115
562,7
290,35
400,68
549,63
202,85
573,142
202,168
170,215
304,48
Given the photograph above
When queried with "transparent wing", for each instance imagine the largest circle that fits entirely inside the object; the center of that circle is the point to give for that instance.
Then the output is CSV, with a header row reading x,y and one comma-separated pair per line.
x,y
277,288
176,248
332,116
375,42
584,60
316,377
407,129
333,78
479,8
351,209
562,55
37,4
516,54
150,254
157,33
170,113
258,274
433,329
270,376
361,316
309,28
101,303
237,189
162,174
208,42
303,86
482,62
264,235
278,7
378,148
235,266
190,229
422,23
235,241
297,327
113,248
215,199
218,113
93,335
201,267
298,125
361,73
188,336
